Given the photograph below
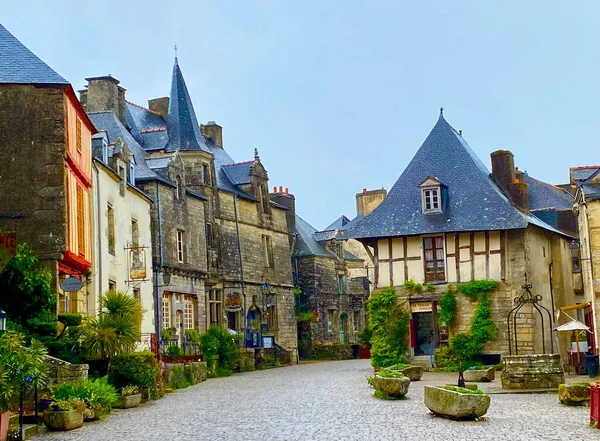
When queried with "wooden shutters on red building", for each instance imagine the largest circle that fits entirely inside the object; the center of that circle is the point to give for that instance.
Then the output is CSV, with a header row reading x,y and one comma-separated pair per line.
x,y
435,269
80,221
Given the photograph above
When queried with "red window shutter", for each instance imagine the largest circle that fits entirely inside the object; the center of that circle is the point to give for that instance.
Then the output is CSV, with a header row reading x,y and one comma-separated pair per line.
x,y
413,333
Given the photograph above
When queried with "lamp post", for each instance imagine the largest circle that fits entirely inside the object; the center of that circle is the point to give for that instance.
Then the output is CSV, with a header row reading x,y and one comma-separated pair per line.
x,y
3,316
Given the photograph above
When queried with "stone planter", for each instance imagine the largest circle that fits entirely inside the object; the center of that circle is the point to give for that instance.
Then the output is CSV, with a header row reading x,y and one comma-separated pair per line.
x,y
129,401
414,373
393,388
63,419
455,405
577,394
540,371
145,392
480,375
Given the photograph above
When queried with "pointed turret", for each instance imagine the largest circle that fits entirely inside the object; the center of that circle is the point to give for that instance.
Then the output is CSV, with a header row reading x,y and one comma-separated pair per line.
x,y
182,125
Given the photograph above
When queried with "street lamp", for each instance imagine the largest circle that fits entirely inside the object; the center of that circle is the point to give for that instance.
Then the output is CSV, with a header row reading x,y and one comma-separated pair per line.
x,y
3,316
166,276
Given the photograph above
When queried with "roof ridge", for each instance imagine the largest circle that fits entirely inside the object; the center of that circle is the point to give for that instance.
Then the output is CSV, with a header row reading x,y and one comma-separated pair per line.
x,y
159,129
237,163
142,107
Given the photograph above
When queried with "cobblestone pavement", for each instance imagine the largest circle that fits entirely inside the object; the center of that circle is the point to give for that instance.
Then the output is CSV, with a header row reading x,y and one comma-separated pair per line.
x,y
326,401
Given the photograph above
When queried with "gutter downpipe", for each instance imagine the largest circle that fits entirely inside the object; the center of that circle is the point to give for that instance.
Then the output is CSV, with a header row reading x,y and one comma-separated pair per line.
x,y
99,255
157,305
239,247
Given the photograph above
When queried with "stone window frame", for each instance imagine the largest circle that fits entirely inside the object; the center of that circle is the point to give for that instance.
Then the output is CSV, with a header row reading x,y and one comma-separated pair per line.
x,y
215,306
209,235
137,295
123,176
272,319
112,242
112,285
135,232
330,313
166,309
342,288
205,174
355,322
189,315
268,256
431,199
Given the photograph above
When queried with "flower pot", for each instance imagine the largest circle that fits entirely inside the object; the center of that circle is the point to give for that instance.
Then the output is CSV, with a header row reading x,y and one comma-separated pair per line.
x,y
129,401
4,419
63,419
45,404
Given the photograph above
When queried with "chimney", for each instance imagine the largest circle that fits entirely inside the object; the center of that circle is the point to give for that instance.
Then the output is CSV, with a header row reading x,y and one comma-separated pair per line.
x,y
160,106
213,131
104,94
510,179
288,201
368,200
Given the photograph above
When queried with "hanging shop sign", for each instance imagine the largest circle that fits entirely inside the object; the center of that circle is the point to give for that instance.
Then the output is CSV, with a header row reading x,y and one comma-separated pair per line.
x,y
71,284
421,307
137,264
233,301
356,302
8,243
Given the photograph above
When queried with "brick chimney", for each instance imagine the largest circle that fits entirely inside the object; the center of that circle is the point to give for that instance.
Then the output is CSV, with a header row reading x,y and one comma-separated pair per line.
x,y
510,179
160,106
103,94
213,131
368,200
283,197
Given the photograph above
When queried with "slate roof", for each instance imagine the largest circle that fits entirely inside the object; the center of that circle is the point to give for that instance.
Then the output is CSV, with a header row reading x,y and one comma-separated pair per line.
x,y
18,65
238,174
338,224
543,195
307,244
473,201
583,173
182,124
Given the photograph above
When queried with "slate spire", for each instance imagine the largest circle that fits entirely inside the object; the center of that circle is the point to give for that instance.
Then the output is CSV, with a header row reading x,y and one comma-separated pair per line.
x,y
182,125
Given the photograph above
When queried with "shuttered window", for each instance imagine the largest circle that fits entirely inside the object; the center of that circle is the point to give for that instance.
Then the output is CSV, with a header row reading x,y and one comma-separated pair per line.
x,y
78,135
80,222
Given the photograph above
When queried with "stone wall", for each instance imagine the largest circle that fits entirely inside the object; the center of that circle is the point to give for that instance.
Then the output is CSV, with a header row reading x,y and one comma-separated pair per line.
x,y
32,150
61,372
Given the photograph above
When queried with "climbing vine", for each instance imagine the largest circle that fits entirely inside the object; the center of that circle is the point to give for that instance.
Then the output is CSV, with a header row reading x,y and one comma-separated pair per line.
x,y
389,324
416,288
475,288
447,309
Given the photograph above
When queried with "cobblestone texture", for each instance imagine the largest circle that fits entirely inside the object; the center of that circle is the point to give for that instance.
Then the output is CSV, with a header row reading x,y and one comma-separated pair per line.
x,y
327,401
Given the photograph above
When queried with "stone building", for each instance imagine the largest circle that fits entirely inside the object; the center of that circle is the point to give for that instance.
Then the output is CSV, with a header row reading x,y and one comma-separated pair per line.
x,y
123,243
586,252
446,221
216,233
45,152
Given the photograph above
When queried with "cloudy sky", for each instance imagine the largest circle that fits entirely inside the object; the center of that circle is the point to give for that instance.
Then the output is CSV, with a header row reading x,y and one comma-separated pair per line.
x,y
338,95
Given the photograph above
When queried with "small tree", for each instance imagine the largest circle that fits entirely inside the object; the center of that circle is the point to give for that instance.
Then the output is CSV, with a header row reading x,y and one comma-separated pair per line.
x,y
115,330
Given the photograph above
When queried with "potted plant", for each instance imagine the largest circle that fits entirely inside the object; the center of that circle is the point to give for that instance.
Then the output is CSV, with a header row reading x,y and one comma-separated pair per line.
x,y
130,397
65,415
46,399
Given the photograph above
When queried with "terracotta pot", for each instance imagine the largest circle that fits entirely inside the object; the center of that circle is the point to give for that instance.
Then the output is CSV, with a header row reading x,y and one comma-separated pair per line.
x,y
4,419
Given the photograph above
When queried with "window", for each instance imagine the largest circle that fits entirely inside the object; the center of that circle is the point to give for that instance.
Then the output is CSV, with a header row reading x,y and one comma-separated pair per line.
x,y
342,326
78,134
431,200
215,307
132,172
110,213
341,283
264,198
135,233
330,321
339,250
104,151
179,190
356,321
268,251
112,285
80,221
205,174
166,310
180,255
188,312
576,262
137,295
272,316
435,269
209,235
123,182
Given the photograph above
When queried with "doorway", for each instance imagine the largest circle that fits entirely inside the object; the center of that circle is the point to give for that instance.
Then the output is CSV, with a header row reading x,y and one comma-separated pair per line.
x,y
423,329
343,320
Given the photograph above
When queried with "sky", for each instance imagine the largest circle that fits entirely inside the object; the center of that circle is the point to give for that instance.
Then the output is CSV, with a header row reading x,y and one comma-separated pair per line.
x,y
337,95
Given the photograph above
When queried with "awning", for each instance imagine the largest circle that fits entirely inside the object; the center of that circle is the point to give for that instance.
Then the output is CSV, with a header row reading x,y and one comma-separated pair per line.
x,y
573,325
574,307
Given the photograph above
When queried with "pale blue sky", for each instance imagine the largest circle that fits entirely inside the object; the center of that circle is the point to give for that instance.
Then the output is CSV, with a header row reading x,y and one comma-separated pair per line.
x,y
338,95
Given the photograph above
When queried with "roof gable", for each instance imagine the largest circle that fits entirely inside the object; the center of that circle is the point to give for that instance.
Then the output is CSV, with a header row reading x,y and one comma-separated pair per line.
x,y
474,202
338,224
18,65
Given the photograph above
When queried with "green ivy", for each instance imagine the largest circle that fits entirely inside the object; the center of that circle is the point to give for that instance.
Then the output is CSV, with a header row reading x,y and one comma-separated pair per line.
x,y
389,324
483,327
413,286
306,316
447,309
476,287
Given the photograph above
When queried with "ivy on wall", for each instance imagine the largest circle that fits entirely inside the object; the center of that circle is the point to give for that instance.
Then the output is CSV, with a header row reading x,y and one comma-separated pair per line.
x,y
389,323
447,311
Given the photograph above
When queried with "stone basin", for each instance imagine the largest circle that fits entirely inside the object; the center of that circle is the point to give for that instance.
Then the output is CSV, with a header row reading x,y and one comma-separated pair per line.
x,y
63,420
129,401
414,373
576,394
537,371
480,375
456,405
392,387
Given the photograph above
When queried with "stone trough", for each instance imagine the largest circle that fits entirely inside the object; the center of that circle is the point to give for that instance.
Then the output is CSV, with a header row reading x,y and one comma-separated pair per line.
x,y
575,394
484,375
414,373
393,388
538,371
456,405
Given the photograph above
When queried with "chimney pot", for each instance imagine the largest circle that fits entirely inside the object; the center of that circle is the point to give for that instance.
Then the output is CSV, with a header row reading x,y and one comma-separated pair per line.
x,y
364,190
280,189
286,190
274,189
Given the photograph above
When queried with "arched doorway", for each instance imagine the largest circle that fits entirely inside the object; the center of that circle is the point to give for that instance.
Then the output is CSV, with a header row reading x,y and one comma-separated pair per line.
x,y
343,322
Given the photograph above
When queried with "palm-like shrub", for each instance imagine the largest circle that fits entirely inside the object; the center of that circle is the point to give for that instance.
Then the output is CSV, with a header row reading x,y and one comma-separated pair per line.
x,y
115,330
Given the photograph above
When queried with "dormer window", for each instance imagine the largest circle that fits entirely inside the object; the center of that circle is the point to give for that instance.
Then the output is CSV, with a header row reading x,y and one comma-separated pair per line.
x,y
431,195
132,172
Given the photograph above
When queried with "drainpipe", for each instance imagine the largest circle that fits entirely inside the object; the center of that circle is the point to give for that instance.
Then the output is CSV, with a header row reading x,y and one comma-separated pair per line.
x,y
157,304
239,247
99,238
